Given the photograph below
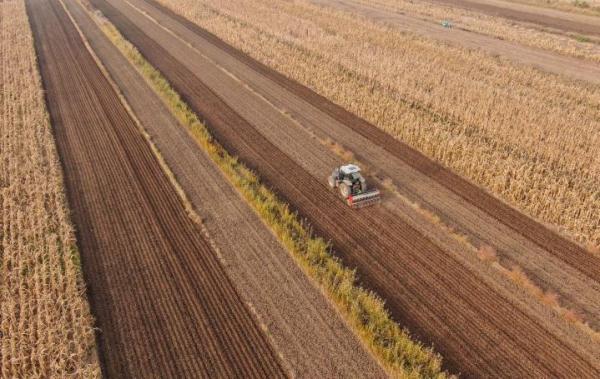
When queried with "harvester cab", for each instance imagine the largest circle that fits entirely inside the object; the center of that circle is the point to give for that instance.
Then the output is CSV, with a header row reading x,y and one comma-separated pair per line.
x,y
353,186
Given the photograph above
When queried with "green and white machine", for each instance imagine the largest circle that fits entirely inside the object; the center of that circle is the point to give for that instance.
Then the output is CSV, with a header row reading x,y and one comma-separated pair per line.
x,y
353,186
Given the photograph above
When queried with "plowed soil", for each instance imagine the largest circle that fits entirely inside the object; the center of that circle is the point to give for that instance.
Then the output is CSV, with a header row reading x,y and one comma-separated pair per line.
x,y
312,338
163,303
480,331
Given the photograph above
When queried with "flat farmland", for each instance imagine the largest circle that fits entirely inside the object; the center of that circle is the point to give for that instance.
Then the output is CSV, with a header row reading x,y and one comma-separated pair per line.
x,y
553,19
427,287
166,211
163,303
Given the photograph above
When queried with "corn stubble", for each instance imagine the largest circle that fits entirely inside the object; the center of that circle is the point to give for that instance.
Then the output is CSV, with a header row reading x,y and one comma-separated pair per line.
x,y
530,138
46,326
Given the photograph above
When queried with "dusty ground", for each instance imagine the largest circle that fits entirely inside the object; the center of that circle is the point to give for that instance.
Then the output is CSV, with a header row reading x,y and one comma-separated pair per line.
x,y
432,291
539,58
306,330
163,302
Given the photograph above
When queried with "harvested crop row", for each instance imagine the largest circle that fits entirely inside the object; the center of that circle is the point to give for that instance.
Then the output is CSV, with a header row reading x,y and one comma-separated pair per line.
x,y
479,116
163,303
424,287
46,329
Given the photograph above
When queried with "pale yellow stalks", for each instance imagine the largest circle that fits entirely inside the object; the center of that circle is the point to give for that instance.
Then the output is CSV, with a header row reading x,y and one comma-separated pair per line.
x,y
45,323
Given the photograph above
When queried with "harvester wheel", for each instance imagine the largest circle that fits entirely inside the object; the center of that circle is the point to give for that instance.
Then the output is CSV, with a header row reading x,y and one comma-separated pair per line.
x,y
331,182
344,190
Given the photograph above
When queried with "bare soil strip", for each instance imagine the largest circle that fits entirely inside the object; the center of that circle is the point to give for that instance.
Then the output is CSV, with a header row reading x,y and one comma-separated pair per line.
x,y
308,332
163,303
456,201
550,18
479,331
542,59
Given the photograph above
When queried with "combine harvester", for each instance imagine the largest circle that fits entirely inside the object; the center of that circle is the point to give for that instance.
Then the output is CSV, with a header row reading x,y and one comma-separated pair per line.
x,y
353,186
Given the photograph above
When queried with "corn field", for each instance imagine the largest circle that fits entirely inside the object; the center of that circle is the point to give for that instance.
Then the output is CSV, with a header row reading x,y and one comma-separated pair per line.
x,y
46,326
528,137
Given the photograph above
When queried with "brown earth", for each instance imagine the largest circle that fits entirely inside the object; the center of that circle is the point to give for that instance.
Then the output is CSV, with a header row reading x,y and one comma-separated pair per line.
x,y
311,337
535,57
480,331
163,302
550,18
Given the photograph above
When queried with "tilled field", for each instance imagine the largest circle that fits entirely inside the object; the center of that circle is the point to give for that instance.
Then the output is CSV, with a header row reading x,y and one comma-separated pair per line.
x,y
304,327
373,145
292,115
479,331
163,303
575,289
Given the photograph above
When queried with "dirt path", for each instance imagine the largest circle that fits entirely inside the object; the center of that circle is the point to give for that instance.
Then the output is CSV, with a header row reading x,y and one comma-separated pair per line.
x,y
163,303
542,59
278,108
307,331
550,18
426,288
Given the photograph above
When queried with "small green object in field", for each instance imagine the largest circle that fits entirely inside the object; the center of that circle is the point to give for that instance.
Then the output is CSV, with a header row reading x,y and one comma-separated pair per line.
x,y
446,24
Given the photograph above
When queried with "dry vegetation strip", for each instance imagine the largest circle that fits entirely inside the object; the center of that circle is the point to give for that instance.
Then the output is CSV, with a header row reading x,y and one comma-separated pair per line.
x,y
364,311
46,327
528,137
555,20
